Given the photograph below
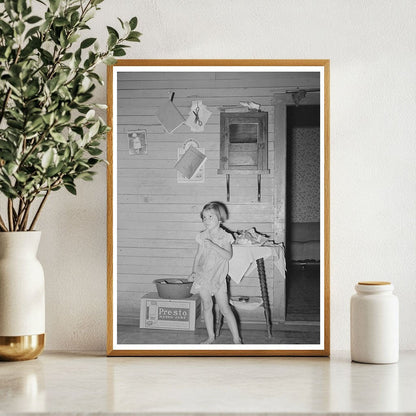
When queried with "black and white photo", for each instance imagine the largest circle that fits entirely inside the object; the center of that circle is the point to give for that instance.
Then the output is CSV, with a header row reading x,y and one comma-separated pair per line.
x,y
219,231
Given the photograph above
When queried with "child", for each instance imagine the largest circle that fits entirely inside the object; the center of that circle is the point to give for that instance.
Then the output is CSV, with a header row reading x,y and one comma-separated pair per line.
x,y
210,268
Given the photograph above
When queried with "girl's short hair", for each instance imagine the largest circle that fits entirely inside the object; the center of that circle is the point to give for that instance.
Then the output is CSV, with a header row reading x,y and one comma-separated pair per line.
x,y
220,209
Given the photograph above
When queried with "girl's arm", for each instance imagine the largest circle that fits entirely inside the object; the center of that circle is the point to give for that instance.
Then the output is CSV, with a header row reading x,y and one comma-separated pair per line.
x,y
196,260
225,252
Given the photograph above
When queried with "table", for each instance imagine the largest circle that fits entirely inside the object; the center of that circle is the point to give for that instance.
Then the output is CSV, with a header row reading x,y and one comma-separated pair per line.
x,y
243,261
89,383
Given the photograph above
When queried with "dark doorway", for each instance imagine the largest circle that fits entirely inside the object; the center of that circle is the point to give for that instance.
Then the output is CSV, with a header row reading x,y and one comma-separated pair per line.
x,y
303,213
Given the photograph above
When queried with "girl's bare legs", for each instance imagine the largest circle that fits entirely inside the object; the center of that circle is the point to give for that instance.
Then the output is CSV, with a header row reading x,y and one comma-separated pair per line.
x,y
208,316
222,300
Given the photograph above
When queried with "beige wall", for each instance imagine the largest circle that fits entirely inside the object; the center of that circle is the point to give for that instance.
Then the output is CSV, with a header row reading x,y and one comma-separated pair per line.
x,y
373,127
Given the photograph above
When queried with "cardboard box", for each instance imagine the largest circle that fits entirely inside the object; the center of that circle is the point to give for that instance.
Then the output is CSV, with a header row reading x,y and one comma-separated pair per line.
x,y
174,314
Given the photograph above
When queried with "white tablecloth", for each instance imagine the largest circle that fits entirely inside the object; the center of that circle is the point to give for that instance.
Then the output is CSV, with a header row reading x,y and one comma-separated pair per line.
x,y
244,259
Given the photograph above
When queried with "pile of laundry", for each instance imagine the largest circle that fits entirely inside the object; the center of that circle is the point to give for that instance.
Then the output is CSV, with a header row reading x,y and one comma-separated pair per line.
x,y
252,237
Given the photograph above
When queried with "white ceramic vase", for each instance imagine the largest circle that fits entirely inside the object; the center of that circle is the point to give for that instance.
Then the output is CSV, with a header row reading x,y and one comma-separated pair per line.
x,y
22,296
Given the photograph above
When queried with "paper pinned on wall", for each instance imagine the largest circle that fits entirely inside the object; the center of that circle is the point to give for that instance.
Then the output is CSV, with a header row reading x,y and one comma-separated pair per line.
x,y
137,142
190,162
169,116
198,116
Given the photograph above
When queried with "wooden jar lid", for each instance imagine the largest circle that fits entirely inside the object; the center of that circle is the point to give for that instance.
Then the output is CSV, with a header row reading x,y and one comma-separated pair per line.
x,y
374,283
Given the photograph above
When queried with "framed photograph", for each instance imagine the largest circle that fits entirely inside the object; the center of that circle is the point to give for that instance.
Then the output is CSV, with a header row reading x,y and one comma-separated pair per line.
x,y
238,264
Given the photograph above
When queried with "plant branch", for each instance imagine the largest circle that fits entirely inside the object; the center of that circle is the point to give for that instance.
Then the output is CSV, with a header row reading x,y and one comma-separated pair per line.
x,y
21,215
26,216
18,216
2,224
39,209
10,213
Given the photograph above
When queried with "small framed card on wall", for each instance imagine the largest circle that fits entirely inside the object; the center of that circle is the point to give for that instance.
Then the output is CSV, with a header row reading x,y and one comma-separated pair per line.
x,y
137,142
234,262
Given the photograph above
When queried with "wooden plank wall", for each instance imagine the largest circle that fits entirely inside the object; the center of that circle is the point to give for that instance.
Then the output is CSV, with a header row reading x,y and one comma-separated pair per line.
x,y
158,218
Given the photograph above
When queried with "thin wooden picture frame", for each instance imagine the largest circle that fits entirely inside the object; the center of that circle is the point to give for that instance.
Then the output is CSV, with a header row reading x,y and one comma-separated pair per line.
x,y
140,213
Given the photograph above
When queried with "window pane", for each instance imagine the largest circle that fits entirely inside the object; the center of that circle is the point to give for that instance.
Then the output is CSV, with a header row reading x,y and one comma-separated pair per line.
x,y
244,133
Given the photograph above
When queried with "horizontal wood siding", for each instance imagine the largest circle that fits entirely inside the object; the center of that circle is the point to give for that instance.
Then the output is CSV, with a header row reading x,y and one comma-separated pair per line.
x,y
158,218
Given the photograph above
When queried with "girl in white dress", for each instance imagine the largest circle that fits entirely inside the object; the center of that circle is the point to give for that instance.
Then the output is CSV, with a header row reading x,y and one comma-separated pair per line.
x,y
210,268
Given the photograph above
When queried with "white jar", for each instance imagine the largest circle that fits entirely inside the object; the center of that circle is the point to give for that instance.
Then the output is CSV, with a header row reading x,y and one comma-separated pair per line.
x,y
374,323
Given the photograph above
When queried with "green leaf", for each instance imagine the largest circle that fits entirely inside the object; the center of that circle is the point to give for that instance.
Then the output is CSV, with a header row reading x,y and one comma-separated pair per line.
x,y
33,19
63,41
31,31
110,60
20,27
32,45
67,153
11,168
27,11
92,161
53,83
4,145
90,114
10,8
48,118
54,4
86,176
8,191
92,75
31,90
7,29
119,52
73,38
112,31
46,56
16,124
134,37
82,98
21,6
94,151
121,23
21,177
74,18
71,188
78,154
94,129
67,56
35,125
61,21
87,42
52,171
112,41
60,138
47,158
82,166
133,23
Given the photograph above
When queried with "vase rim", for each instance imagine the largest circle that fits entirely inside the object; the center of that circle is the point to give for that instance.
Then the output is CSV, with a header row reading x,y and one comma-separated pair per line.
x,y
20,232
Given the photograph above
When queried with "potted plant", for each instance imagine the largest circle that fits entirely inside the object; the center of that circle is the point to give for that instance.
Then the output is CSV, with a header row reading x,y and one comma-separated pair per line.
x,y
50,137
